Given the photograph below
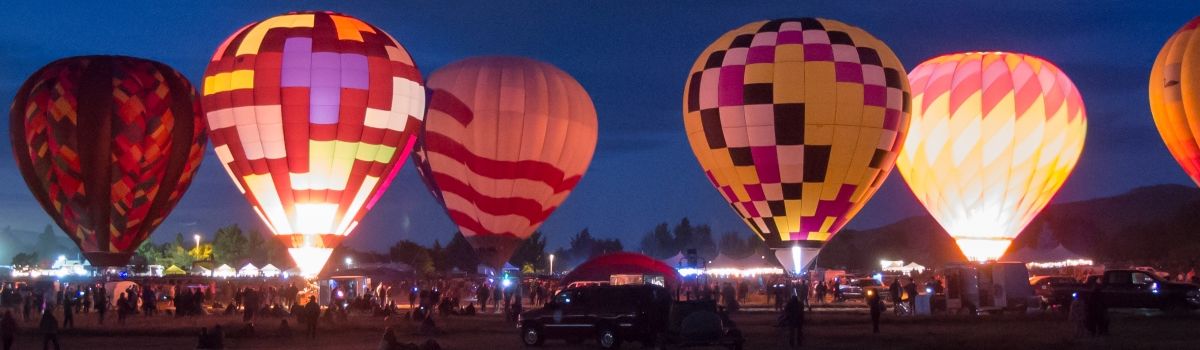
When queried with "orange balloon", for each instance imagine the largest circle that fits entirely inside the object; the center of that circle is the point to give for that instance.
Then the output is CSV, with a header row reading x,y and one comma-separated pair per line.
x,y
993,137
1175,97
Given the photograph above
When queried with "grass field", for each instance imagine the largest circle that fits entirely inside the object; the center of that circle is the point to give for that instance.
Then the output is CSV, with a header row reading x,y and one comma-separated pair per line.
x,y
829,329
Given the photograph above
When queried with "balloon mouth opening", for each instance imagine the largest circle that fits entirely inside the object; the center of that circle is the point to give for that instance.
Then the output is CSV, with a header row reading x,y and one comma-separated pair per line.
x,y
310,260
797,258
108,259
983,249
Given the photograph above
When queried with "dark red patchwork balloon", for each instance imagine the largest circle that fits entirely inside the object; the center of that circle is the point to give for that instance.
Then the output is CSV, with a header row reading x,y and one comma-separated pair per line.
x,y
107,145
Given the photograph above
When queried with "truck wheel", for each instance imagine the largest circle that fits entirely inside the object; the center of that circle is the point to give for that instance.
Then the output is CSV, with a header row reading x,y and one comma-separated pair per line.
x,y
608,339
532,336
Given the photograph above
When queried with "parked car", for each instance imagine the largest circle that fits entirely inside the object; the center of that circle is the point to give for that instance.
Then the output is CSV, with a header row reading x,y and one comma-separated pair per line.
x,y
1044,287
699,323
1134,288
857,288
607,313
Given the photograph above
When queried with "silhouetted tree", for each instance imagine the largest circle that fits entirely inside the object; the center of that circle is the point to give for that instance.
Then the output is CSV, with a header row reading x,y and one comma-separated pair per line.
x,y
460,254
532,251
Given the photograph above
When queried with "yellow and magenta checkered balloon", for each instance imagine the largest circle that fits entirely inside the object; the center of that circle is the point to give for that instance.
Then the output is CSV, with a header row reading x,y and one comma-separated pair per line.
x,y
796,122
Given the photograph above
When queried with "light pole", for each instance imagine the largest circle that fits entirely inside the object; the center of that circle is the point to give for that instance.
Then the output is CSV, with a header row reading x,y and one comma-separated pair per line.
x,y
551,264
197,237
349,262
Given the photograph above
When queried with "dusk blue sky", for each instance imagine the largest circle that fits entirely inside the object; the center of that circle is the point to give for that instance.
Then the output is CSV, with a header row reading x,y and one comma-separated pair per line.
x,y
633,58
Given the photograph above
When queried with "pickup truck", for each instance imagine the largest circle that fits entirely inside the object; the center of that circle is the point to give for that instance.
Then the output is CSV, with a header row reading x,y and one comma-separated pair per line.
x,y
1130,289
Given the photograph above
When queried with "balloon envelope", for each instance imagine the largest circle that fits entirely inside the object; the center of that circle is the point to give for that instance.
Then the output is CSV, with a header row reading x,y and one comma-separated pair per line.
x,y
108,145
1175,98
796,122
505,142
993,137
312,115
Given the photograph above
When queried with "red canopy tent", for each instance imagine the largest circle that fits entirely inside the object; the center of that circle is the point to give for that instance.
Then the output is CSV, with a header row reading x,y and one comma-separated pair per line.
x,y
602,267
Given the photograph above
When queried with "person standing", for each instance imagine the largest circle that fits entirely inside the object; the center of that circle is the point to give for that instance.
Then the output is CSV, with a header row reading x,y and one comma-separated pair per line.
x,y
793,319
68,311
876,304
497,297
148,301
122,303
86,305
729,296
894,292
779,300
911,290
27,306
49,328
312,315
250,300
482,294
1097,311
1077,315
8,330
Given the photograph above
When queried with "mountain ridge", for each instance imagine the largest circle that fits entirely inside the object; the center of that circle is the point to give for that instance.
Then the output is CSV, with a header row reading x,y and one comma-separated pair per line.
x,y
1159,215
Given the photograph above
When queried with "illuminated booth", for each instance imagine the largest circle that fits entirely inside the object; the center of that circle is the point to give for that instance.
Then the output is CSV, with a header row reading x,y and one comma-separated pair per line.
x,y
1055,258
601,270
270,271
224,271
724,266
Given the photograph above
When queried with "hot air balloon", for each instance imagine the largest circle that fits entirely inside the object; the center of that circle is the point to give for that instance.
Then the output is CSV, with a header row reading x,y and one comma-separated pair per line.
x,y
1174,99
993,137
312,115
107,145
796,122
505,142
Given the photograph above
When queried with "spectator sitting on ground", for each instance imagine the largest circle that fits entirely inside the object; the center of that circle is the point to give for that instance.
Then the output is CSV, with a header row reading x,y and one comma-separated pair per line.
x,y
429,327
389,340
285,331
217,337
469,310
204,341
247,331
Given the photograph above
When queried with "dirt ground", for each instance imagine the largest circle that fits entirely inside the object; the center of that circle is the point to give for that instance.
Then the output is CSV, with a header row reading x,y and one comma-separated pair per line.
x,y
843,328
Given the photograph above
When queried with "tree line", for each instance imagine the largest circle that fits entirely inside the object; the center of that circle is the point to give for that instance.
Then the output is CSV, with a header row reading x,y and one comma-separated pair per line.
x,y
230,245
458,255
665,241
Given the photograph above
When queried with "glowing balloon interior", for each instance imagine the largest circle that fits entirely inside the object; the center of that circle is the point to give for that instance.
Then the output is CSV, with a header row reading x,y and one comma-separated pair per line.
x,y
312,115
1175,100
108,145
796,122
993,137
